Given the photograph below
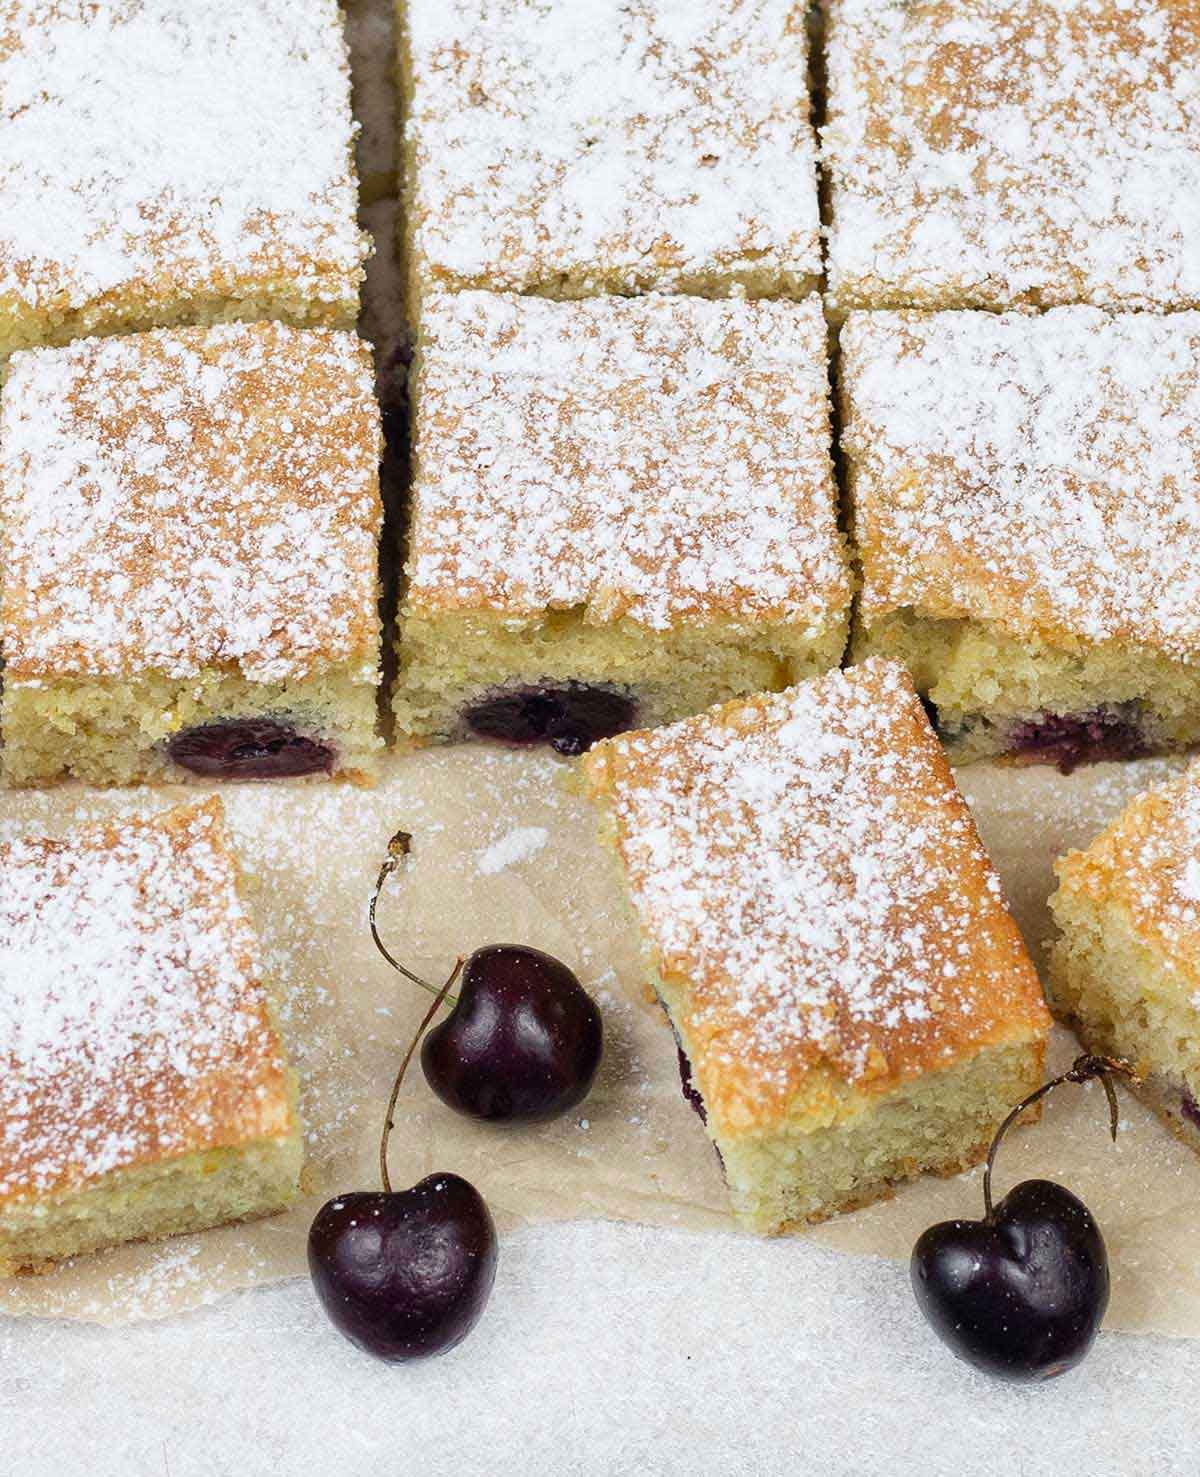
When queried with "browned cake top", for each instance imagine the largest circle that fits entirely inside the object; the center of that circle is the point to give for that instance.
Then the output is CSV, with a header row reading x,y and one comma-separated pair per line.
x,y
649,139
1146,864
133,1027
985,153
812,885
154,149
663,459
1039,471
191,498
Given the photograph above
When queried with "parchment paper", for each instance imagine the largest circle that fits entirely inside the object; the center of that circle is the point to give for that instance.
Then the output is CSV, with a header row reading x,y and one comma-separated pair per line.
x,y
502,853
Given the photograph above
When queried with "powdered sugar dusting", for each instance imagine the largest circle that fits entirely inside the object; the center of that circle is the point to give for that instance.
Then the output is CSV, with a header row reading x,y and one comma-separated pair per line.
x,y
1043,472
804,863
171,150
188,498
985,153
514,847
132,1025
643,140
665,459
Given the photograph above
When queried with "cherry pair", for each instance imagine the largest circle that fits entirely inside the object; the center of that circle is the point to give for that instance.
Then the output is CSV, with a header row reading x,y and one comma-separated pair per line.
x,y
405,1274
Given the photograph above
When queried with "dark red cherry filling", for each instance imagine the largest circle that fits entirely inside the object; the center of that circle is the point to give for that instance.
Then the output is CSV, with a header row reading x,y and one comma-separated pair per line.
x,y
570,718
249,749
1087,738
690,1091
1190,1108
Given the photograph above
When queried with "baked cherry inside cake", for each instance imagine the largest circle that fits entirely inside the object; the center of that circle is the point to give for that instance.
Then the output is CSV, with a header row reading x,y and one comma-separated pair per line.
x,y
1025,494
988,153
851,997
572,147
1125,970
623,510
174,161
188,557
143,1086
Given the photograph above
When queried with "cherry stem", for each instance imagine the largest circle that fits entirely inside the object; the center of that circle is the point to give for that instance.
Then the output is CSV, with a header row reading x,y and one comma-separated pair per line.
x,y
398,849
389,1121
1082,1069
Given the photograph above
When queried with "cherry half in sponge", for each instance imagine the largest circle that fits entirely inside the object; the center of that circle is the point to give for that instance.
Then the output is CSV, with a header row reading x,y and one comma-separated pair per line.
x,y
248,749
1021,1293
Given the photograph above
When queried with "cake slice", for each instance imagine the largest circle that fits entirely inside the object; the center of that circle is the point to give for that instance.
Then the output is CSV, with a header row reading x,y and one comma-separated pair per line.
x,y
1025,495
988,153
623,510
1125,971
571,147
818,916
174,161
143,1087
189,522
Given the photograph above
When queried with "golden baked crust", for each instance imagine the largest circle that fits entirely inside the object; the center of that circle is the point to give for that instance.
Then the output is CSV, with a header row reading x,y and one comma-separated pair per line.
x,y
1038,472
986,153
191,499
814,897
167,161
664,460
1146,866
578,146
133,1025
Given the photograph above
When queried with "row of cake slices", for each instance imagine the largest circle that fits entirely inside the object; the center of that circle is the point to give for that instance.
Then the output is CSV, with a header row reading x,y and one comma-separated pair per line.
x,y
167,161
851,999
623,510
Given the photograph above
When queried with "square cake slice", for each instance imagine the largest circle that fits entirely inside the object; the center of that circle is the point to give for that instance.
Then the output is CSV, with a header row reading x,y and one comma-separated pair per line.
x,y
143,1087
174,161
1125,971
572,147
828,937
990,153
623,510
1025,496
189,521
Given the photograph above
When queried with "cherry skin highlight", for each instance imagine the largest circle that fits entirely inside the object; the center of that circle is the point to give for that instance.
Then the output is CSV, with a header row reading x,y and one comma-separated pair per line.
x,y
405,1275
522,1043
1021,1293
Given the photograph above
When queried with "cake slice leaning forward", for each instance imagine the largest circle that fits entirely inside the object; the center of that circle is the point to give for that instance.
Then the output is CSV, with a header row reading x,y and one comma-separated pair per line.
x,y
143,1086
623,511
1125,970
189,557
828,937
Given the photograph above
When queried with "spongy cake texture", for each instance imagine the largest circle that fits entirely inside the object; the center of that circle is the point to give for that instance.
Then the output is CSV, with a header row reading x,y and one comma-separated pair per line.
x,y
830,940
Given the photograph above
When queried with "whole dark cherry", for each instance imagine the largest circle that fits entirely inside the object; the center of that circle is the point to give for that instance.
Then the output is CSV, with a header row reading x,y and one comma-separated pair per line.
x,y
570,717
405,1274
524,1039
1021,1293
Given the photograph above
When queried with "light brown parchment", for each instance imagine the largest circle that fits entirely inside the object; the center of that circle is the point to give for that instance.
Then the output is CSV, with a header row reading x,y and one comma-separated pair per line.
x,y
502,852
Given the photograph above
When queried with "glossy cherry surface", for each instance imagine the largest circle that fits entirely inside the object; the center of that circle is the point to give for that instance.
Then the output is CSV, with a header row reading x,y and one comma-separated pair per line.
x,y
249,749
523,1041
405,1274
1069,740
570,718
1021,1293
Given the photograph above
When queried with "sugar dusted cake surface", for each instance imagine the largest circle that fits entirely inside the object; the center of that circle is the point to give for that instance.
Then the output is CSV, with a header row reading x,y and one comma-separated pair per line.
x,y
812,884
660,459
570,146
1042,473
133,1027
1147,865
985,153
155,153
189,499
